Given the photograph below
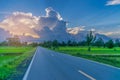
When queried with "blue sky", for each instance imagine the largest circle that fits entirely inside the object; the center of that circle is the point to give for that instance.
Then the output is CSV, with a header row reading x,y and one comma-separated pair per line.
x,y
98,14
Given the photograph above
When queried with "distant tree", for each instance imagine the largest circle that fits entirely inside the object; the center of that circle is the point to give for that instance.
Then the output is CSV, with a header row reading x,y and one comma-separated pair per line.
x,y
47,44
34,44
55,44
82,43
69,43
99,42
110,44
14,41
24,43
89,39
63,43
4,43
117,43
74,43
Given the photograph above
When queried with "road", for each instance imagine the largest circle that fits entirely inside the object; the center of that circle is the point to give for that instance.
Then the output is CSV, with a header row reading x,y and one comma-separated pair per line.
x,y
50,65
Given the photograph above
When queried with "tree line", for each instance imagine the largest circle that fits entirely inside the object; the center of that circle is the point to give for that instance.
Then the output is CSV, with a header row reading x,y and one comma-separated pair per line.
x,y
91,40
98,43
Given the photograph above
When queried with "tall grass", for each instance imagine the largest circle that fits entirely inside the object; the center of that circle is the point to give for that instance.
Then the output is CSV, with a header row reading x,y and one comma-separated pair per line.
x,y
9,63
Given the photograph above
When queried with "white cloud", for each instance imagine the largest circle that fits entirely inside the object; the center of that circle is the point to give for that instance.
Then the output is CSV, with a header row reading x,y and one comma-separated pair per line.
x,y
46,27
75,30
50,12
115,34
52,26
92,29
111,33
50,20
3,34
20,23
113,2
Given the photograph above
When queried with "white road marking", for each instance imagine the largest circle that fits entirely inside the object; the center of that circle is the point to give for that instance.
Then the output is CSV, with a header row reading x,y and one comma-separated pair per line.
x,y
52,55
88,76
28,70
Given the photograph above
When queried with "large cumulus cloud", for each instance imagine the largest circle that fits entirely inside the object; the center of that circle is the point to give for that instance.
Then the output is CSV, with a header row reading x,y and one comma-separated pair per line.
x,y
48,27
20,23
50,20
4,35
42,28
52,26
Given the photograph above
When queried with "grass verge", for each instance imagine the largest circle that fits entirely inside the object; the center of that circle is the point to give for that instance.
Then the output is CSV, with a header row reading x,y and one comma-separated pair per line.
x,y
10,63
103,55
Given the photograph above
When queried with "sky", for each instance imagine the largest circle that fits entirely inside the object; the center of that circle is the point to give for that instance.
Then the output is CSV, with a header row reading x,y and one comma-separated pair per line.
x,y
101,15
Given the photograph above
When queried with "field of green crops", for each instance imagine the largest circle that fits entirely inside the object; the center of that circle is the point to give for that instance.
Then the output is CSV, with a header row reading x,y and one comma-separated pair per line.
x,y
103,55
11,58
14,49
94,50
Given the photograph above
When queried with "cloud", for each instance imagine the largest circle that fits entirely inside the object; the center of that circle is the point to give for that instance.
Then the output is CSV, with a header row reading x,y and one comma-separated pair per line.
x,y
4,34
50,12
75,30
79,33
113,2
41,28
51,19
51,26
111,34
20,23
47,27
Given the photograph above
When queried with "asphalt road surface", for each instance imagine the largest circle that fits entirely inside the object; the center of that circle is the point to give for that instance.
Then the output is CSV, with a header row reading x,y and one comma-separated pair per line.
x,y
50,65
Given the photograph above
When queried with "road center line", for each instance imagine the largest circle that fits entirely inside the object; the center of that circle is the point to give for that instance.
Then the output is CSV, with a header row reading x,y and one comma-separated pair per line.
x,y
52,55
88,76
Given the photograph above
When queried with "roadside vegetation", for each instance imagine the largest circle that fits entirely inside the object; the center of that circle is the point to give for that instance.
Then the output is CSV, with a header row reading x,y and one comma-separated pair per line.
x,y
92,48
103,55
11,58
15,55
14,58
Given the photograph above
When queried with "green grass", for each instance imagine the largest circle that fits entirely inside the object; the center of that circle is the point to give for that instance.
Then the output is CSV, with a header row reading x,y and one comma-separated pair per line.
x,y
9,62
13,49
103,55
94,50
